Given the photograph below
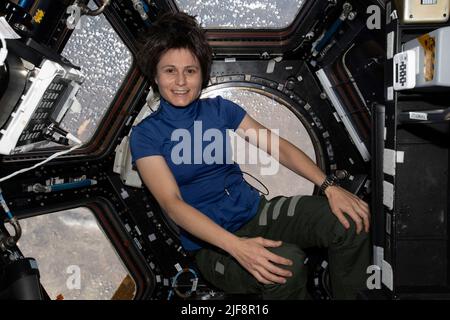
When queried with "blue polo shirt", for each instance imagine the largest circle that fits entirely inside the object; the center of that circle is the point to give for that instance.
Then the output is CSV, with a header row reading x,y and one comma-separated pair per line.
x,y
194,142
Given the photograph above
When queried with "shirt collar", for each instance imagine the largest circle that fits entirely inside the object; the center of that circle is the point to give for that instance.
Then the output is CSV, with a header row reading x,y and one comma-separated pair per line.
x,y
170,112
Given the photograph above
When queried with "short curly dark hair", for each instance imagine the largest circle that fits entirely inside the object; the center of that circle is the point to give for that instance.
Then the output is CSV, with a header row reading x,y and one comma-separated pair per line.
x,y
174,31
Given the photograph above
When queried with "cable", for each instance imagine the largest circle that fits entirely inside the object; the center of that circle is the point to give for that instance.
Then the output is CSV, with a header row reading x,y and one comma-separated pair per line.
x,y
10,241
53,156
5,206
260,182
239,172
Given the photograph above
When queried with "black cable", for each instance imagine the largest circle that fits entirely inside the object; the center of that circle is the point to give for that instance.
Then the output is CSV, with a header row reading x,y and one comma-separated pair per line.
x,y
243,172
374,61
260,182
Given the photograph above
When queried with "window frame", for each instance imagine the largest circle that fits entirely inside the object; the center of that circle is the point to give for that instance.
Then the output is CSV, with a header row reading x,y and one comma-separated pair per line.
x,y
252,41
114,231
265,30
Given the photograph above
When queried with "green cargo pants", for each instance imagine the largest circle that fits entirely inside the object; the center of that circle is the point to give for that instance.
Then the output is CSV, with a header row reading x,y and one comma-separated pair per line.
x,y
300,222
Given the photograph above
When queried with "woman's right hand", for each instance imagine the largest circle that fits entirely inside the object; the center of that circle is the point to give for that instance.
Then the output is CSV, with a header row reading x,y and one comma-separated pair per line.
x,y
252,254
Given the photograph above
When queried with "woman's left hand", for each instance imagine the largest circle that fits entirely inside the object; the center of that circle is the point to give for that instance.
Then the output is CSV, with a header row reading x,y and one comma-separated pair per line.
x,y
342,201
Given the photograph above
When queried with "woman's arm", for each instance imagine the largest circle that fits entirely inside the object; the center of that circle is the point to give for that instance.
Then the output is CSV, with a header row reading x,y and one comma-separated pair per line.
x,y
341,201
250,253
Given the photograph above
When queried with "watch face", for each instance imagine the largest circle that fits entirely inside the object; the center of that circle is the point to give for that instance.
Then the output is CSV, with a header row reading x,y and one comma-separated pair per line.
x,y
341,174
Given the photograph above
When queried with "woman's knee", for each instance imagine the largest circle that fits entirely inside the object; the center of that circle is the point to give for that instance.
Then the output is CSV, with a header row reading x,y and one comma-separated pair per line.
x,y
350,236
298,267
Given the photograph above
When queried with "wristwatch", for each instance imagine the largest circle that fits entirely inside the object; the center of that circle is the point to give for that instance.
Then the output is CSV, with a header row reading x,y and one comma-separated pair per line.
x,y
333,179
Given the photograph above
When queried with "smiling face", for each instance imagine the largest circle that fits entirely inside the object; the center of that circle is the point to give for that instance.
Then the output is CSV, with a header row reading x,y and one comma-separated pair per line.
x,y
179,77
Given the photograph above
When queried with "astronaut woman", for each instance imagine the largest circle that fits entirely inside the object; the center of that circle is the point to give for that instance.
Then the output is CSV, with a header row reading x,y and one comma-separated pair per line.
x,y
242,242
